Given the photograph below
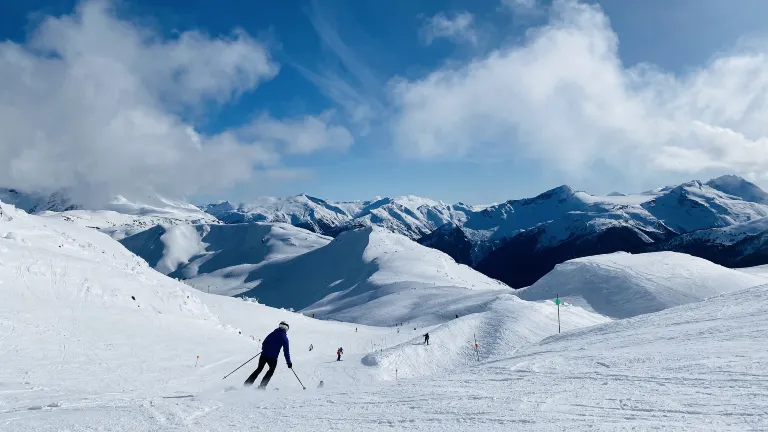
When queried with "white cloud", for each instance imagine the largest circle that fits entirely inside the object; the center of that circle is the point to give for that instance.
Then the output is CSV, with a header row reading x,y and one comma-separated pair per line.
x,y
92,104
302,135
565,98
459,28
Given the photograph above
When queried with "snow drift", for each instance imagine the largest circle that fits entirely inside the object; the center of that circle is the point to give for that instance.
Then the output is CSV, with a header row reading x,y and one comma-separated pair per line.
x,y
622,285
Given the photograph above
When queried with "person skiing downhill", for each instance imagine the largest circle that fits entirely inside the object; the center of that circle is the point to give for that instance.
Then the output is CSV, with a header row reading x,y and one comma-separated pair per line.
x,y
270,351
426,338
339,352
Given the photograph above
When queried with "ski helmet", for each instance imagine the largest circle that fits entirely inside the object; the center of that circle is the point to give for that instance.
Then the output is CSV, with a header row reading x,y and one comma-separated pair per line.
x,y
283,325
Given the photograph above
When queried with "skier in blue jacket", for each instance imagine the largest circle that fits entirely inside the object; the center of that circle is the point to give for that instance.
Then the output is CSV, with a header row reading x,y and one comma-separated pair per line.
x,y
270,350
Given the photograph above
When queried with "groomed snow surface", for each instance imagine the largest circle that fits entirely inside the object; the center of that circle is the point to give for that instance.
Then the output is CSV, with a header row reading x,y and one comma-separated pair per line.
x,y
92,338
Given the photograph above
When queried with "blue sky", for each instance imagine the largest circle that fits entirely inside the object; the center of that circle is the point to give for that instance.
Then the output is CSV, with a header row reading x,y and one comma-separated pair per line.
x,y
400,89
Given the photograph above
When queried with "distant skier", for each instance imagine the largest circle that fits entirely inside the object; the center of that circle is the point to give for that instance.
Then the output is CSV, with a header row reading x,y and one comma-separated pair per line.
x,y
339,352
426,338
311,347
270,350
457,315
320,385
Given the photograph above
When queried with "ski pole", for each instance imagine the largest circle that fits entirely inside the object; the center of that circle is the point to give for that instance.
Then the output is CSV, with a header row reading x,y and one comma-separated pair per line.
x,y
297,377
249,360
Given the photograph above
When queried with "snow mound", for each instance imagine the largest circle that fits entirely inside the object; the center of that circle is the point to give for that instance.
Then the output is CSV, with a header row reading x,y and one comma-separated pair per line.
x,y
506,325
37,254
216,258
622,285
369,276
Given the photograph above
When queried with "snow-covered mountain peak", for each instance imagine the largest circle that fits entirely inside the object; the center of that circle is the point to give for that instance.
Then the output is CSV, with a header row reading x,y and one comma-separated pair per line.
x,y
693,205
739,187
562,192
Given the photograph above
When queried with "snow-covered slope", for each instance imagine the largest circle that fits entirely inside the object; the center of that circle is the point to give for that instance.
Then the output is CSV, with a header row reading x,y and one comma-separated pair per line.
x,y
81,355
216,258
523,259
118,218
694,206
622,285
738,187
739,245
97,339
370,276
505,325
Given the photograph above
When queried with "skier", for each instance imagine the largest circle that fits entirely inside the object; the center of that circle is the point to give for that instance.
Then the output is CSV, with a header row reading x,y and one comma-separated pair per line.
x,y
426,338
270,350
339,352
310,347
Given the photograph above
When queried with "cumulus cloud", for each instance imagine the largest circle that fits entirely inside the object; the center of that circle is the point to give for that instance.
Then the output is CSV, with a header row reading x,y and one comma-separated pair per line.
x,y
564,97
458,27
94,105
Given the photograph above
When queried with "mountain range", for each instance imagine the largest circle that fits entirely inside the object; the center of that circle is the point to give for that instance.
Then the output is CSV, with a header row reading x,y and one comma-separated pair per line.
x,y
724,220
518,241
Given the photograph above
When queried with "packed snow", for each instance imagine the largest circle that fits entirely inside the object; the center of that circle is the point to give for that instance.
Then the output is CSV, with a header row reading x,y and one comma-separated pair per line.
x,y
622,285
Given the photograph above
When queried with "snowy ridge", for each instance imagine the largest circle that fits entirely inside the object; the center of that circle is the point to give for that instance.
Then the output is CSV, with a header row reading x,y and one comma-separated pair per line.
x,y
694,206
738,187
301,210
217,258
410,216
622,285
371,276
367,276
119,218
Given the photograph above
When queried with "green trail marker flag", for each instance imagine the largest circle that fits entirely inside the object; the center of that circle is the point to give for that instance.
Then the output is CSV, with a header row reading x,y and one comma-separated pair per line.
x,y
557,302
